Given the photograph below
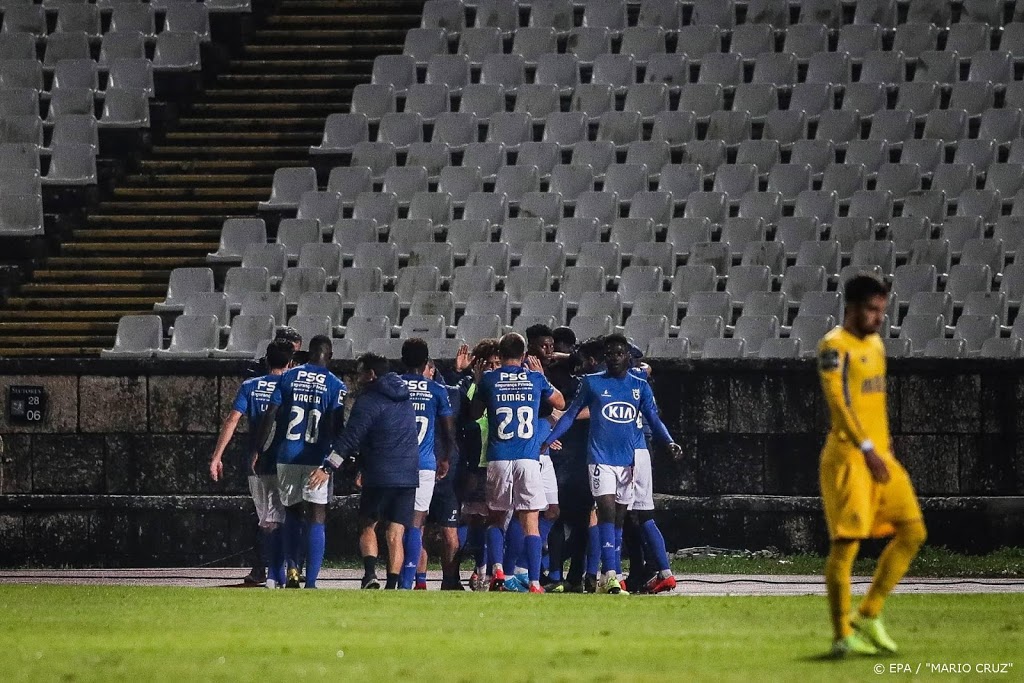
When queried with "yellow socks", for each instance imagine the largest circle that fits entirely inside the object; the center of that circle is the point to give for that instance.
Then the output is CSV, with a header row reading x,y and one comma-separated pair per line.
x,y
838,567
892,565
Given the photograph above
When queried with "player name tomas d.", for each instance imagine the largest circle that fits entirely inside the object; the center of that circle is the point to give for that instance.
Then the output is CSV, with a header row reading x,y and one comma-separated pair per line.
x,y
515,397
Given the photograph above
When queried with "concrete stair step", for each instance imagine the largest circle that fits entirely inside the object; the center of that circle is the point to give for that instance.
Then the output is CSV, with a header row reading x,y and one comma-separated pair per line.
x,y
82,275
261,191
256,137
182,208
277,123
121,234
101,315
256,95
301,64
209,181
98,220
221,151
52,340
375,27
130,250
215,167
37,351
109,263
56,326
358,6
84,302
95,288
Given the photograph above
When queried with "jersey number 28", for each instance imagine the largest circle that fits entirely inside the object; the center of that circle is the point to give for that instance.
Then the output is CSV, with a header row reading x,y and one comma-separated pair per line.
x,y
524,428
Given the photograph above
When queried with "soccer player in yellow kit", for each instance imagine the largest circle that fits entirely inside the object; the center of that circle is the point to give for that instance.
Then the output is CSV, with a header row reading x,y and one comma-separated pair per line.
x,y
865,491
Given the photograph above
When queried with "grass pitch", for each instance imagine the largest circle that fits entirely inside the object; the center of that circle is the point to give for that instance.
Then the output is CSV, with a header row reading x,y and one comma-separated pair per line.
x,y
74,633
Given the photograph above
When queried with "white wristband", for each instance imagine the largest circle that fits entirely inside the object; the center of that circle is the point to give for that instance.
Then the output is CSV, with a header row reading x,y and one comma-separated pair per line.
x,y
866,446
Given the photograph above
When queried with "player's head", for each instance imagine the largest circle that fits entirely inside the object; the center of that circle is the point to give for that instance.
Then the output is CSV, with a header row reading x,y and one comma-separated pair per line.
x,y
867,298
591,354
540,342
290,335
512,348
617,355
320,350
415,354
564,338
279,354
486,350
371,366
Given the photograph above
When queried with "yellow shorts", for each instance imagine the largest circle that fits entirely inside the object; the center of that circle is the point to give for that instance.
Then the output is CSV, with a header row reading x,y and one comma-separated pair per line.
x,y
856,506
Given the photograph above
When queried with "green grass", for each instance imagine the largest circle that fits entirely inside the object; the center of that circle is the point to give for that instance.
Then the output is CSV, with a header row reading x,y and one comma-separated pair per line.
x,y
180,634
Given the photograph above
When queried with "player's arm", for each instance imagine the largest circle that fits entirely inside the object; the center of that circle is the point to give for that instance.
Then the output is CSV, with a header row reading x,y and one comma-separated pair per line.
x,y
266,427
447,441
345,444
649,409
477,405
833,372
564,422
227,430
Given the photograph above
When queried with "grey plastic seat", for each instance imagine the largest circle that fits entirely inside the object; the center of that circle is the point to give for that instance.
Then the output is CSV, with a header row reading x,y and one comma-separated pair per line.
x,y
19,101
523,279
377,255
137,336
322,304
918,98
75,73
792,231
22,130
72,164
987,304
479,42
440,255
723,69
348,233
882,67
637,279
698,329
449,15
236,235
531,42
589,326
322,207
177,51
557,14
544,304
930,204
946,124
738,232
825,69
482,99
755,331
486,157
298,281
1002,348
397,71
670,70
858,39
908,279
510,128
701,99
474,327
838,126
125,108
986,252
642,42
674,127
932,304
66,101
565,128
680,180
778,69
578,279
643,329
921,329
487,206
413,279
1001,125
693,278
405,181
515,181
310,326
561,70
750,40
785,126
546,206
974,97
21,73
194,336
820,253
363,333
799,280
871,253
599,303
984,203
241,281
991,67
536,100
515,232
327,256
355,281
209,303
377,156
710,303
718,348
945,348
589,43
957,230
422,43
620,127
746,279
610,14
572,233
629,233
598,155
495,255
606,255
381,207
406,232
648,99
820,204
377,304
697,41
400,129
183,283
896,348
789,180
288,186
809,329
937,66
913,38
428,100
188,18
1009,229
765,253
716,254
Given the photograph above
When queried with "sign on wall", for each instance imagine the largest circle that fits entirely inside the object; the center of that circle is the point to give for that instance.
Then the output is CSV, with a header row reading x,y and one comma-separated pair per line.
x,y
26,405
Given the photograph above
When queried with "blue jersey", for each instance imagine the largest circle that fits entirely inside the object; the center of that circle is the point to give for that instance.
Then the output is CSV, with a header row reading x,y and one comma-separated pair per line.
x,y
430,401
543,432
306,394
616,408
513,398
252,400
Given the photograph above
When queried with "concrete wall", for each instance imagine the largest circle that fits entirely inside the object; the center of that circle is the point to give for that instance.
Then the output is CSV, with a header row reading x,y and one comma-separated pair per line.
x,y
117,473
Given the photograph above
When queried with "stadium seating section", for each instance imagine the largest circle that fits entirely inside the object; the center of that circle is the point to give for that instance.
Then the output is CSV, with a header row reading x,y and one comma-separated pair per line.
x,y
703,176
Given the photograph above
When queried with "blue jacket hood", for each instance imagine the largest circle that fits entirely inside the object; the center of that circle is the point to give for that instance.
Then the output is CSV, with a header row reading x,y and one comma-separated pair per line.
x,y
391,386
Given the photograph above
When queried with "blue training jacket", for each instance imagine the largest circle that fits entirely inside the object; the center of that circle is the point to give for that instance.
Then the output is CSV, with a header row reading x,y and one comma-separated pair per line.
x,y
382,428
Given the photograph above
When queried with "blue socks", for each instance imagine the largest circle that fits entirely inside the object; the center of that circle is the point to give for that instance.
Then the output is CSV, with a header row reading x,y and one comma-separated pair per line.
x,y
413,546
315,554
496,545
655,544
463,536
607,535
273,554
513,543
545,529
593,550
421,577
533,545
476,536
292,537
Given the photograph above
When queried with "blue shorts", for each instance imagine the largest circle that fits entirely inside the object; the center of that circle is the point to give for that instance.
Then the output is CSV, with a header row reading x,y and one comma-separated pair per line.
x,y
445,505
388,504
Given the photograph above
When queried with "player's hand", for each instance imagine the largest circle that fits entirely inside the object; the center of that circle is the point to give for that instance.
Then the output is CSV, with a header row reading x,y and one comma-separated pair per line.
x,y
556,445
252,463
675,450
478,370
462,358
877,467
533,363
216,469
359,480
442,469
318,478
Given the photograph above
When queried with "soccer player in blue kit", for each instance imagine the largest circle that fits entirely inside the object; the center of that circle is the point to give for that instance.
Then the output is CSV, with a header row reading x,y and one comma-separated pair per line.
x,y
433,416
616,399
511,396
305,414
252,400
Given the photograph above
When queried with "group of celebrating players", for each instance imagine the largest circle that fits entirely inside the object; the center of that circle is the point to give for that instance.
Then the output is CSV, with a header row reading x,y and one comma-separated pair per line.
x,y
491,454
488,452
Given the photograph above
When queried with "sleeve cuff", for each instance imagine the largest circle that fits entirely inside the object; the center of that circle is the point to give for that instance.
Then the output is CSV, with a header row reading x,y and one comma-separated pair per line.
x,y
866,446
333,460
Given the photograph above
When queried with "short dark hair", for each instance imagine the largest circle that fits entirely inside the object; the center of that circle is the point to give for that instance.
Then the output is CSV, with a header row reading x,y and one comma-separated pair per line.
x,y
512,345
289,334
564,335
592,348
279,354
616,338
535,332
415,353
376,362
485,348
862,287
320,346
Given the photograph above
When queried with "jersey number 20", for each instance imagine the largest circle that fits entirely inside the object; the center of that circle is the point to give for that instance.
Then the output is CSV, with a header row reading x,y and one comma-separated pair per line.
x,y
312,425
524,415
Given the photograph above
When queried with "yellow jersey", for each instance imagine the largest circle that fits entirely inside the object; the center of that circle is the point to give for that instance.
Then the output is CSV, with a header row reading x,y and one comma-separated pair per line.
x,y
852,372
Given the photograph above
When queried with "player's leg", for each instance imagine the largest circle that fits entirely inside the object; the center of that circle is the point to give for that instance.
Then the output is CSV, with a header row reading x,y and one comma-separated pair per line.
x,y
316,501
898,508
603,487
444,512
513,556
593,564
369,514
530,520
499,502
529,498
414,533
271,525
398,511
623,499
650,535
549,516
290,486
